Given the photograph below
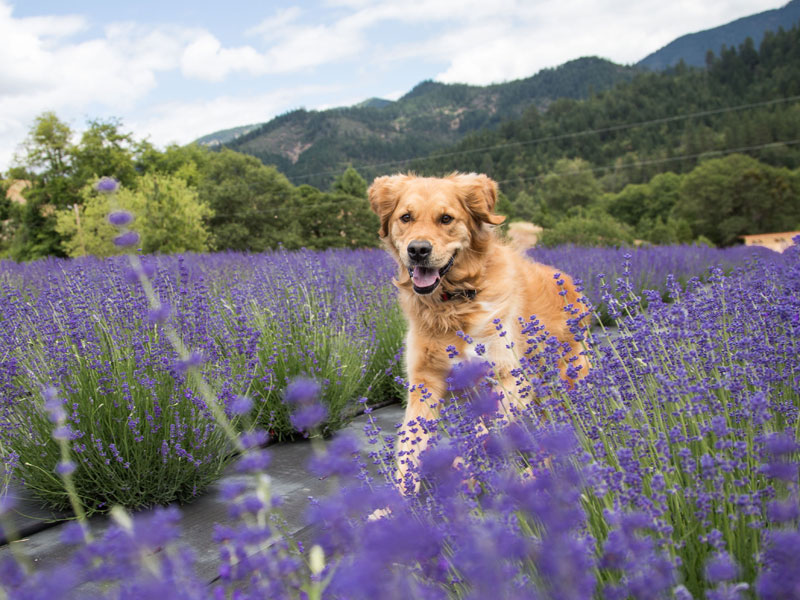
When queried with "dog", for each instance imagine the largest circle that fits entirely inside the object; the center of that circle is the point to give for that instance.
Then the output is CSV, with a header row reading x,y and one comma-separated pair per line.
x,y
457,277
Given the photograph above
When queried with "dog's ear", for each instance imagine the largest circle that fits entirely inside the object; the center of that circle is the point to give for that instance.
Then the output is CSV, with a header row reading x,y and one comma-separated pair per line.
x,y
384,194
479,195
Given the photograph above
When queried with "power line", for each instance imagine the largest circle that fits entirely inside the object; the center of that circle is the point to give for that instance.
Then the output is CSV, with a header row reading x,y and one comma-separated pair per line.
x,y
656,161
642,163
551,138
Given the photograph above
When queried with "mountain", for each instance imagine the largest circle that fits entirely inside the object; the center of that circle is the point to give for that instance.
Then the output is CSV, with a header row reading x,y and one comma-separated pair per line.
x,y
744,101
314,146
374,103
692,48
224,136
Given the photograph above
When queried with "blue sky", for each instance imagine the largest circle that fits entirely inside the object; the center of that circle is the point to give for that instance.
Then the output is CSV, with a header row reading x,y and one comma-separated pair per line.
x,y
173,71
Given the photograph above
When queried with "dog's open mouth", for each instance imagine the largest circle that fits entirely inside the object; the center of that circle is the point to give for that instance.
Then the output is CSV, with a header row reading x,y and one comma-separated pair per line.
x,y
426,279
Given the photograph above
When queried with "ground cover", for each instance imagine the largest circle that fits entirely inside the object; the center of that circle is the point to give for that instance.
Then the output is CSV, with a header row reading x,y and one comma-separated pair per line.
x,y
670,471
139,430
648,268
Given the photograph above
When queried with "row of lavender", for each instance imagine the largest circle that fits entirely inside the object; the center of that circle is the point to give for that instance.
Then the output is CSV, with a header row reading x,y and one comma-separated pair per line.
x,y
85,328
671,471
648,267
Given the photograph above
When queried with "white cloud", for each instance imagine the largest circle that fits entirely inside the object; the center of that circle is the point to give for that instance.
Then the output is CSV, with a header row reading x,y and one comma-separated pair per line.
x,y
59,63
271,27
43,67
482,47
183,122
206,59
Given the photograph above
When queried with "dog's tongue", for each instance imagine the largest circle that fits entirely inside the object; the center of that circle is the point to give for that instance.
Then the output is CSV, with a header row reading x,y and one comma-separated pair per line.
x,y
424,276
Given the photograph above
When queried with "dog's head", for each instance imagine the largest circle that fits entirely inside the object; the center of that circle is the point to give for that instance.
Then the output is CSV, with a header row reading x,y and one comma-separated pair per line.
x,y
427,222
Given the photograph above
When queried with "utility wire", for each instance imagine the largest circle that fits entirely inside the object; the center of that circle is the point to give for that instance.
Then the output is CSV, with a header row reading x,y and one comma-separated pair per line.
x,y
656,161
563,136
642,163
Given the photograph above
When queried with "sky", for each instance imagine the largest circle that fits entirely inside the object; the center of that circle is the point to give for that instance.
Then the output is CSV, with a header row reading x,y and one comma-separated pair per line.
x,y
175,70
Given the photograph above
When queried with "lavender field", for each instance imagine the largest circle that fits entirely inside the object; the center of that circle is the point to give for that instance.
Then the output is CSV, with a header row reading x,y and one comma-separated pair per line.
x,y
86,328
671,471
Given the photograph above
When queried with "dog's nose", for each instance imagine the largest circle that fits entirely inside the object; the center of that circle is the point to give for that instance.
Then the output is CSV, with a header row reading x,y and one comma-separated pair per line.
x,y
419,250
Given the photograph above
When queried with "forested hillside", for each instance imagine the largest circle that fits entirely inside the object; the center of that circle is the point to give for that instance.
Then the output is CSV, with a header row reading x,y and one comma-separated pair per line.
x,y
313,146
693,47
746,100
686,155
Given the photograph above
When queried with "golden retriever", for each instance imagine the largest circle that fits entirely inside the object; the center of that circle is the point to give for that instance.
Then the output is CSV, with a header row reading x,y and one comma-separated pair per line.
x,y
456,275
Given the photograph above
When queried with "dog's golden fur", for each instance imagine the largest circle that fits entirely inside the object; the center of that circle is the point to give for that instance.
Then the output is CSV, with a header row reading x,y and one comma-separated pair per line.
x,y
506,284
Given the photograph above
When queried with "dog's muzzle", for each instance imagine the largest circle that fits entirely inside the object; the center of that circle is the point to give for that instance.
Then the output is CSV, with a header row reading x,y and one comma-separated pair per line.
x,y
426,279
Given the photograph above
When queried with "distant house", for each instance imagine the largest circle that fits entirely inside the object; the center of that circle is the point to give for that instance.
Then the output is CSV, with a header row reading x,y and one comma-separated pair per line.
x,y
774,241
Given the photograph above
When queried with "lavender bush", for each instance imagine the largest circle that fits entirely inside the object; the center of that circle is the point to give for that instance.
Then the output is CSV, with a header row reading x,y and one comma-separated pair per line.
x,y
691,414
671,471
648,267
140,431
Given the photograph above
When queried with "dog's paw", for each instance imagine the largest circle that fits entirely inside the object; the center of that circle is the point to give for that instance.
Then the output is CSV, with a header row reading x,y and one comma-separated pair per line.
x,y
379,513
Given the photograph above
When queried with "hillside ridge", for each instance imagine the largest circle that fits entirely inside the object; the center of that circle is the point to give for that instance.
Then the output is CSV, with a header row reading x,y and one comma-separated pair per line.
x,y
692,48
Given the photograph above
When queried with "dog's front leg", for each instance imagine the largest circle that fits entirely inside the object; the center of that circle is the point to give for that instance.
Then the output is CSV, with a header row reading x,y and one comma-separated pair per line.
x,y
422,411
428,365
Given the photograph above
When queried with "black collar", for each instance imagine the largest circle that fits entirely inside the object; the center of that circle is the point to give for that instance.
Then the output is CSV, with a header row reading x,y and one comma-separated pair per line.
x,y
455,294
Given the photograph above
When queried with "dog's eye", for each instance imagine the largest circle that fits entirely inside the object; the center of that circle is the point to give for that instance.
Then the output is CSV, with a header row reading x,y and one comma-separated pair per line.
x,y
406,218
446,219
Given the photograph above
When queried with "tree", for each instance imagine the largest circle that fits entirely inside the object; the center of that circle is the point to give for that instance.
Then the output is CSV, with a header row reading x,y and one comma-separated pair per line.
x,y
104,151
588,228
527,208
630,205
251,202
47,149
6,224
46,161
168,216
187,162
351,184
664,193
728,197
659,231
334,220
571,183
651,201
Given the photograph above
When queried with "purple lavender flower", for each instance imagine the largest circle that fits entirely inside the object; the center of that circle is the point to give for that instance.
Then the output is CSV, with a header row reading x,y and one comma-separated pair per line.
x,y
54,405
303,395
194,360
129,238
308,417
784,511
721,567
65,468
302,391
12,575
468,374
159,315
157,528
254,438
253,461
780,577
107,185
73,533
120,218
61,433
779,444
241,405
340,458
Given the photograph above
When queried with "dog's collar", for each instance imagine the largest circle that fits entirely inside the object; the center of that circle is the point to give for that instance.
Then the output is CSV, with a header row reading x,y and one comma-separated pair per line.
x,y
455,294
